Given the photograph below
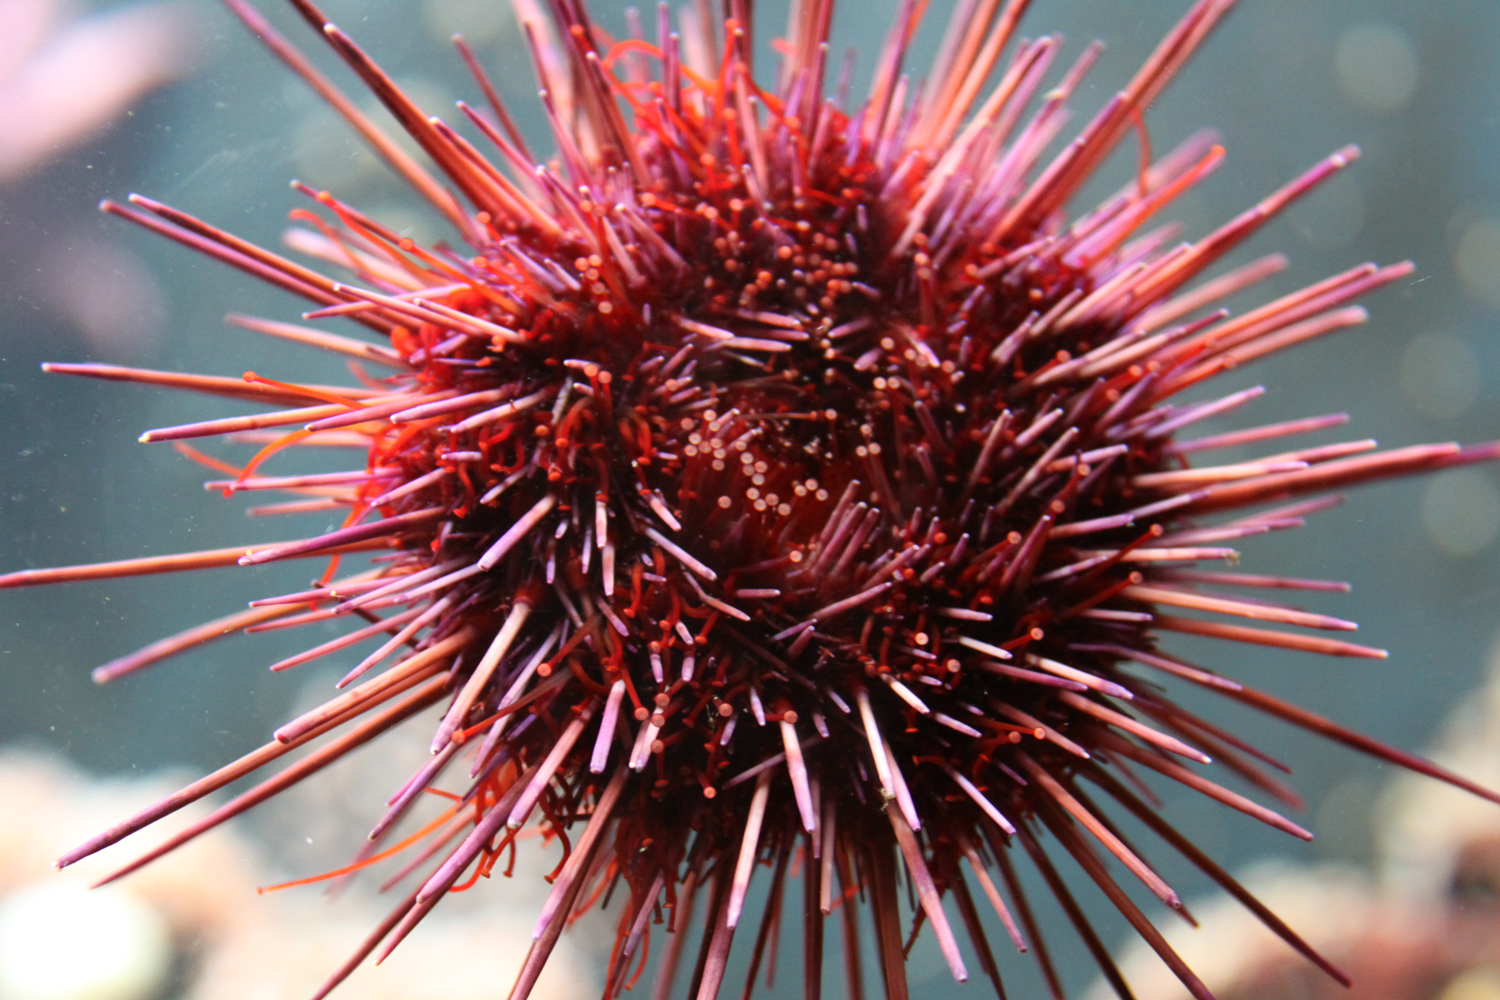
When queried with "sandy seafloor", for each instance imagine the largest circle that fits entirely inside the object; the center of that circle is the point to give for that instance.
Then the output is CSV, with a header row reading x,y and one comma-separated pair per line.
x,y
1286,82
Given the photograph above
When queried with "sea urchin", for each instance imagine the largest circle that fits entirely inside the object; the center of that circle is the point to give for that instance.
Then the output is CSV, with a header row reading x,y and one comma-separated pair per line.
x,y
770,482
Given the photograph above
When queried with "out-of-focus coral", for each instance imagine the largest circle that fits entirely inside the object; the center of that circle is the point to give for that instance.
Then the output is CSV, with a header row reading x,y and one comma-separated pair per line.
x,y
61,79
64,79
1427,927
191,924
120,312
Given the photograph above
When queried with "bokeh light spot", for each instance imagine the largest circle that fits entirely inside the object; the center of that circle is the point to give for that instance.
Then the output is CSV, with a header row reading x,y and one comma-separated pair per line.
x,y
481,22
1477,261
1461,512
1376,67
1439,375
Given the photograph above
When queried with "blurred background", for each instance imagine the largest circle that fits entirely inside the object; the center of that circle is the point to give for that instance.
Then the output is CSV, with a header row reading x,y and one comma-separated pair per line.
x,y
176,101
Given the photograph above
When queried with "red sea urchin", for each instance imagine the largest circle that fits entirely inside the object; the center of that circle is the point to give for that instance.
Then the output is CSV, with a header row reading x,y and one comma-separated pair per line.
x,y
771,482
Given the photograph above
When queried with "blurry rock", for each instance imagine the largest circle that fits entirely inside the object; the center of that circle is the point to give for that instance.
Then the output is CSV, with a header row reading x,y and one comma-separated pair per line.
x,y
1392,948
47,808
1436,841
58,941
1428,928
192,925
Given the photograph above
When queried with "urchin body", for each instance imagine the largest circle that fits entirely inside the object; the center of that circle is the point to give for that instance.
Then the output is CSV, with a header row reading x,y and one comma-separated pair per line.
x,y
770,480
